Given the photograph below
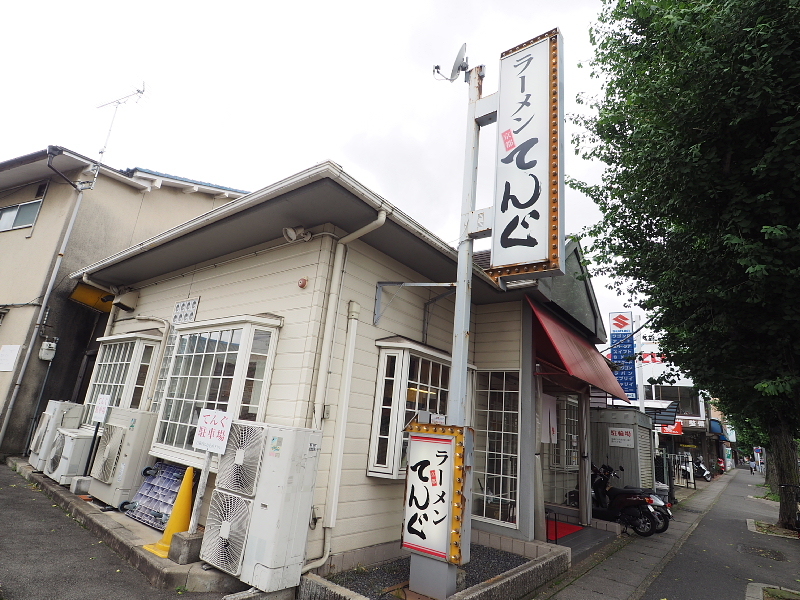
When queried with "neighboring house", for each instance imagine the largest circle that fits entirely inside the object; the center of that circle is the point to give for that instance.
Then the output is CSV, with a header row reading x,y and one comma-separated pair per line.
x,y
297,316
60,210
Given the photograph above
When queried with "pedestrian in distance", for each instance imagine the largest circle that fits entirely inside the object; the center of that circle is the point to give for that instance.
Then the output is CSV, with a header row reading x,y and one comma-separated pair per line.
x,y
752,466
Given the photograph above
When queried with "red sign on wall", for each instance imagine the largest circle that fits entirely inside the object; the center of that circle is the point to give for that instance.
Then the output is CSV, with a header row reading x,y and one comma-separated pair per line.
x,y
676,429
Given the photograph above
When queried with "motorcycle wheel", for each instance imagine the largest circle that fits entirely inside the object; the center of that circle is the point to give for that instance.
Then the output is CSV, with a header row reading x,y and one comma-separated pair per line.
x,y
707,476
644,524
662,521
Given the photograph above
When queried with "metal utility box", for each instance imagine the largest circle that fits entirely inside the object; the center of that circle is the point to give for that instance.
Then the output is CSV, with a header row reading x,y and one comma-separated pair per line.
x,y
623,437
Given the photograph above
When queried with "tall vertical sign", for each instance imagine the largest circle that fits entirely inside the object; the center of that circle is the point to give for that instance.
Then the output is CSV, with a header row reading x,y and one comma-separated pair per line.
x,y
528,231
623,351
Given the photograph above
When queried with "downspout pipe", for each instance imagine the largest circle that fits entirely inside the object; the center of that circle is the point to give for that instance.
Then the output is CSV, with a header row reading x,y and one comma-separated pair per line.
x,y
337,453
324,368
45,299
161,352
330,315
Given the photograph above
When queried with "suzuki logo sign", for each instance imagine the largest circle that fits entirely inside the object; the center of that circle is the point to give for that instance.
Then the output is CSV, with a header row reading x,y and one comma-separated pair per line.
x,y
621,321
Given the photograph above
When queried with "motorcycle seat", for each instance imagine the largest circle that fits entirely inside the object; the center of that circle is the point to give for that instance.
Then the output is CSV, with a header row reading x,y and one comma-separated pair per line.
x,y
649,491
612,492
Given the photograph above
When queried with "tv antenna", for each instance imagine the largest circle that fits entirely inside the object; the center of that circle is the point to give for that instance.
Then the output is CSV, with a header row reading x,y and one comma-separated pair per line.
x,y
460,64
117,103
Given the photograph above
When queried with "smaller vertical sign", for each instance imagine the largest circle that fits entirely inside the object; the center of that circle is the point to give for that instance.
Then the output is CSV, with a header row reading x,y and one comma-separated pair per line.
x,y
623,351
436,502
101,408
213,428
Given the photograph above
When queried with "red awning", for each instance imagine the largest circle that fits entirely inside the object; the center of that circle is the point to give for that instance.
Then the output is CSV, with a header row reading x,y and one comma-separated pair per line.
x,y
561,346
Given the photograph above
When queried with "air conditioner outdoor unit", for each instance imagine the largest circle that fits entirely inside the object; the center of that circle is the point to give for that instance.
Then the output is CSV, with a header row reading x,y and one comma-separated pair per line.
x,y
122,455
258,516
68,455
57,414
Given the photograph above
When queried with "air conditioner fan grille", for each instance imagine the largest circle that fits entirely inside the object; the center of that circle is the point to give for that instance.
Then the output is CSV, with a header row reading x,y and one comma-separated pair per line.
x,y
228,515
108,453
239,466
41,430
55,454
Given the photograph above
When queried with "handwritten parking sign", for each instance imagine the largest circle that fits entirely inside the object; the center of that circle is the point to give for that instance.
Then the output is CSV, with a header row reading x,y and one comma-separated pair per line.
x,y
213,428
101,408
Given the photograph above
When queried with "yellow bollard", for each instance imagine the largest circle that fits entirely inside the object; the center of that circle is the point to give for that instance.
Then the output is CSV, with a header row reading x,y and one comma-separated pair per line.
x,y
180,517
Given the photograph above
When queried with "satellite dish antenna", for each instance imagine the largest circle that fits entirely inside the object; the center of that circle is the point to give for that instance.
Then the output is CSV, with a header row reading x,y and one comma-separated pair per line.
x,y
460,64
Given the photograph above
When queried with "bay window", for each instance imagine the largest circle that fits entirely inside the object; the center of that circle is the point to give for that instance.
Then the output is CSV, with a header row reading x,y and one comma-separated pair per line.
x,y
222,365
122,371
411,378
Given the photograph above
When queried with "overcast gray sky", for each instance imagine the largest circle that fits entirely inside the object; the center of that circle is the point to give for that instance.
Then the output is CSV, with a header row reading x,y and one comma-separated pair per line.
x,y
243,94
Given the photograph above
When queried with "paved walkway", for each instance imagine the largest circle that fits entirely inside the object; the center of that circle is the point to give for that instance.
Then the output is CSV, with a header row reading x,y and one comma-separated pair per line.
x,y
624,569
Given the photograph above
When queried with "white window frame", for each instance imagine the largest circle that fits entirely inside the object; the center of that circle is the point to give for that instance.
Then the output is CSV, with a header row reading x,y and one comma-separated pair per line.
x,y
128,383
4,209
402,351
248,325
477,491
565,452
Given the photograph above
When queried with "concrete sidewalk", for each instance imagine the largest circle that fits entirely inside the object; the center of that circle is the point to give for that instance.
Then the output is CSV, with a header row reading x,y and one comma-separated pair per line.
x,y
624,569
126,538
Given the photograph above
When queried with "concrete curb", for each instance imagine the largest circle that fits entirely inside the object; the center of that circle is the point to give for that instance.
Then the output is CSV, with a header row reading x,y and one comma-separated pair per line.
x,y
755,591
516,583
160,572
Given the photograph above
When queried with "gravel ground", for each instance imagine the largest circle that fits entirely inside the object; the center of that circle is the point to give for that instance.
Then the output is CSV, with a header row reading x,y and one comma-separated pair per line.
x,y
484,564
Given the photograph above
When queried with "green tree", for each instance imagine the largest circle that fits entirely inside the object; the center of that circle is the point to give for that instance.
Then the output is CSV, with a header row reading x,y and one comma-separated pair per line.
x,y
699,128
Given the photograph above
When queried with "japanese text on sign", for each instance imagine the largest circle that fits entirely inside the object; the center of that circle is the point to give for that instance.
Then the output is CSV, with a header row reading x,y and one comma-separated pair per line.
x,y
527,224
213,428
101,408
621,437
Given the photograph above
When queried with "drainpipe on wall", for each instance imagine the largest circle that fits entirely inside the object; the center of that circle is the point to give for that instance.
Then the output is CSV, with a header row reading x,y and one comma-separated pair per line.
x,y
161,351
330,315
337,452
322,381
52,152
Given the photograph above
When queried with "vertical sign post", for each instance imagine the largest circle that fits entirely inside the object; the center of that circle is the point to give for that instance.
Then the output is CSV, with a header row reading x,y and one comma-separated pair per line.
x,y
528,235
211,435
623,351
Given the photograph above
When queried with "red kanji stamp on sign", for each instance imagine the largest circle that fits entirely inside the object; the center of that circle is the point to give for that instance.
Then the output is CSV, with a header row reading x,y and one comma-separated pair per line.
x,y
433,478
508,140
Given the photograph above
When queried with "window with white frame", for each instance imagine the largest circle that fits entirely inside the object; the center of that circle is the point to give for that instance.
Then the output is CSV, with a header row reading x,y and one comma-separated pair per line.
x,y
121,371
565,450
496,447
24,214
222,365
411,378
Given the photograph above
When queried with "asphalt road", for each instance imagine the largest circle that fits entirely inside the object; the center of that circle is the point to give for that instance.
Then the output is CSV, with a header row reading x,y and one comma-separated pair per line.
x,y
722,556
46,555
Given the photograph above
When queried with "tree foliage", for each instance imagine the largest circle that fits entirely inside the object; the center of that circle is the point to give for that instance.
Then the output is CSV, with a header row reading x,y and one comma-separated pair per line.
x,y
699,129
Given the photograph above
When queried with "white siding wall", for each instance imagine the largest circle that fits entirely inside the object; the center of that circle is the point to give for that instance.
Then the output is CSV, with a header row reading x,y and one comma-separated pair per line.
x,y
370,508
498,336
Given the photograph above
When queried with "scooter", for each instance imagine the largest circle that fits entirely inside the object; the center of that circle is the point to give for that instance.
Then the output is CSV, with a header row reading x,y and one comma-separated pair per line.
x,y
700,469
629,508
661,509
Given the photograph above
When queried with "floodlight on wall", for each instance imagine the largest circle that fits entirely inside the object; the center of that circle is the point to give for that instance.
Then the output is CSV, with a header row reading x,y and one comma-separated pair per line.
x,y
296,234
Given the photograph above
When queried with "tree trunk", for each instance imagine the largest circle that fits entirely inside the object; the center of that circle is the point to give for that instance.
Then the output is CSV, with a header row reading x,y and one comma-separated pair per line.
x,y
783,459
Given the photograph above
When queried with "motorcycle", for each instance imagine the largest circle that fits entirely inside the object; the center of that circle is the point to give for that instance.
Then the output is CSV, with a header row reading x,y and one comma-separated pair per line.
x,y
629,508
699,470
